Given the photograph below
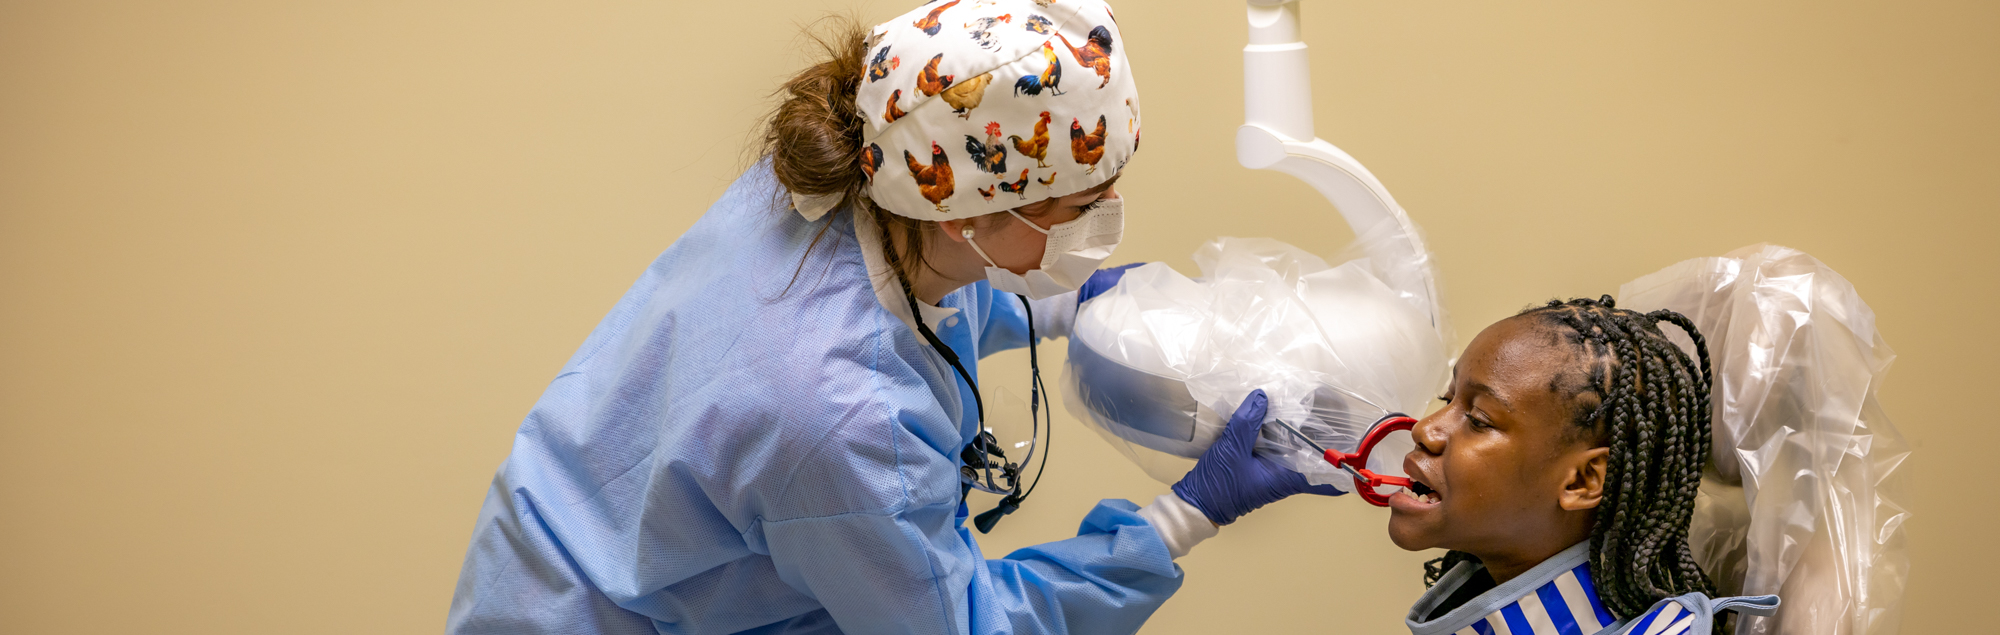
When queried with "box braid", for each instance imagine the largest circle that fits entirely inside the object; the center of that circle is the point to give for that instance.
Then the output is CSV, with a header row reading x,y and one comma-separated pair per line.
x,y
1649,403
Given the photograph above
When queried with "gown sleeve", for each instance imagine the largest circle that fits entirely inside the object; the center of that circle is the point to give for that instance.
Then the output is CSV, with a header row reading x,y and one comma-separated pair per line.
x,y
519,580
918,570
1006,325
871,526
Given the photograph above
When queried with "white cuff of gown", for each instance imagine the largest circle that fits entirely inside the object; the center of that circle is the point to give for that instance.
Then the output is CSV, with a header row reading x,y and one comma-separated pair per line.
x,y
1179,524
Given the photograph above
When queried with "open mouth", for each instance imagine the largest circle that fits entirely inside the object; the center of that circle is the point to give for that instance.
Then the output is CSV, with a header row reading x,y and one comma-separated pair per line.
x,y
1423,493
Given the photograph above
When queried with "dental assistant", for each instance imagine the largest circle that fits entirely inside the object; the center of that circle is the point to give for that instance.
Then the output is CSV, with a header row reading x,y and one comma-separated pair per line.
x,y
763,436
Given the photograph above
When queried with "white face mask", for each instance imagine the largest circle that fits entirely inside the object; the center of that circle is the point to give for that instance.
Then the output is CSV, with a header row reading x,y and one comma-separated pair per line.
x,y
1075,250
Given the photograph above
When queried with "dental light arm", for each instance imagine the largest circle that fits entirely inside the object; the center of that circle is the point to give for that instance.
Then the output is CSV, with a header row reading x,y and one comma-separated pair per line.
x,y
1277,134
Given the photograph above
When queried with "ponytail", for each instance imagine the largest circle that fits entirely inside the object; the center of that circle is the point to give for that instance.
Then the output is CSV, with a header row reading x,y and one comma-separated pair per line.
x,y
814,135
813,138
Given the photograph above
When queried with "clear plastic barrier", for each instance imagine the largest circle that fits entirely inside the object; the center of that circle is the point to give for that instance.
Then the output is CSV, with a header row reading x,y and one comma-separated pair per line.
x,y
1801,499
1159,362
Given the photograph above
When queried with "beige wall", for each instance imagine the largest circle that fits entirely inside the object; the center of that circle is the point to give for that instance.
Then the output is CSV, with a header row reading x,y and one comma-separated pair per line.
x,y
279,279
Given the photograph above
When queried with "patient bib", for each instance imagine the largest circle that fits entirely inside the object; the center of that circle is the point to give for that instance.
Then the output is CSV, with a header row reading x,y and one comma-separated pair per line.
x,y
1558,597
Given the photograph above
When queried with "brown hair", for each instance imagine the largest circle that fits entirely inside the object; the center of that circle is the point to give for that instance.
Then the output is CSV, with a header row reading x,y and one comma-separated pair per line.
x,y
813,138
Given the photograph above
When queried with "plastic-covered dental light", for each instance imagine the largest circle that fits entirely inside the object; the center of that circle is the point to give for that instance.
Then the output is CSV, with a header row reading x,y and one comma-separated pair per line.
x,y
1338,347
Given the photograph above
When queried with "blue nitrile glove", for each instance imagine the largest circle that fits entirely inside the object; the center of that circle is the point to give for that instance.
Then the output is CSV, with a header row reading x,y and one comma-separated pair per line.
x,y
1229,481
1101,281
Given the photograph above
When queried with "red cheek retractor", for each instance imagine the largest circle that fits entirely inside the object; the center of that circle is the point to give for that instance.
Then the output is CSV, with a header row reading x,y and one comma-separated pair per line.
x,y
1366,481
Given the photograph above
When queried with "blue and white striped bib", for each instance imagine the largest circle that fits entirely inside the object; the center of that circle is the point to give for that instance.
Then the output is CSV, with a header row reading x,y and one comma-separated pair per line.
x,y
1557,597
1567,605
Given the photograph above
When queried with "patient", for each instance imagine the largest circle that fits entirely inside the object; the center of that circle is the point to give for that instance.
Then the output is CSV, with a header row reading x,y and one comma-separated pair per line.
x,y
1561,475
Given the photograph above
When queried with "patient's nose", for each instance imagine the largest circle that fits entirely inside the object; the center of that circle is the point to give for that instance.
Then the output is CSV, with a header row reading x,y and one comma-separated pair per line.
x,y
1430,433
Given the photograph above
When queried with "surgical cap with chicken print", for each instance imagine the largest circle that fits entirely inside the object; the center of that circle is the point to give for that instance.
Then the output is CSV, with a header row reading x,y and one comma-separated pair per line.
x,y
980,106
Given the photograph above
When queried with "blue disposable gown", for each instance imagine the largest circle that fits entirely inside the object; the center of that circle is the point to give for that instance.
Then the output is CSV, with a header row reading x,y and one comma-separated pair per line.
x,y
749,444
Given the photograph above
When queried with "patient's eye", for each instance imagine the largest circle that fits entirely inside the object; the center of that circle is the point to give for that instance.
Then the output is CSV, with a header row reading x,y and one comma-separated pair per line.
x,y
1477,424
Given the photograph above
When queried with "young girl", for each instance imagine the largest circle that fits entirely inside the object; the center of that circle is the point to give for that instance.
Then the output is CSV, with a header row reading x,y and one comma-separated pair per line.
x,y
1561,474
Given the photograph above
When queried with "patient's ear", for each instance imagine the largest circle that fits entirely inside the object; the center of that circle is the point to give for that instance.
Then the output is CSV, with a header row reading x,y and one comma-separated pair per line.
x,y
1583,485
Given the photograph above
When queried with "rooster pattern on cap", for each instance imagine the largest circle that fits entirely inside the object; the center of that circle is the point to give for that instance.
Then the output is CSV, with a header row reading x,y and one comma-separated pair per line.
x,y
980,30
956,165
1039,24
930,24
882,64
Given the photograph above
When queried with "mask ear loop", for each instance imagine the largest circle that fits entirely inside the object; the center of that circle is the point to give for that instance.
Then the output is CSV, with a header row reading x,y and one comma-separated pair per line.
x,y
967,233
1024,220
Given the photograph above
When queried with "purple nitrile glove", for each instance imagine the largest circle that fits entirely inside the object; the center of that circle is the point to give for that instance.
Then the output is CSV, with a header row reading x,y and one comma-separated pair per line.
x,y
1101,281
1229,481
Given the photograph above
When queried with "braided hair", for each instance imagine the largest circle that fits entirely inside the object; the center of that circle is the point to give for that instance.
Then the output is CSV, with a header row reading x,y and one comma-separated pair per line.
x,y
1649,403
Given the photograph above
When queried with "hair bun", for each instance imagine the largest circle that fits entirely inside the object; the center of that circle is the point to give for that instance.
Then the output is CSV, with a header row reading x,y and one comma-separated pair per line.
x,y
813,136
